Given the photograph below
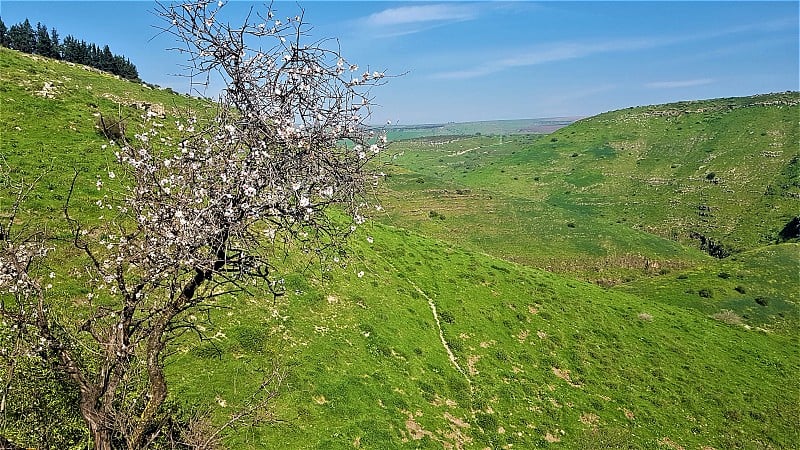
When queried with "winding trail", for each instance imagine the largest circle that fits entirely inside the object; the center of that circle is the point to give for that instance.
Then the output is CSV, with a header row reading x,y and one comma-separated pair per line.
x,y
432,306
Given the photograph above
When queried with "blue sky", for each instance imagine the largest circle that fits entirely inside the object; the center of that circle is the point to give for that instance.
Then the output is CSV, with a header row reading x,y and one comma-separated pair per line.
x,y
467,61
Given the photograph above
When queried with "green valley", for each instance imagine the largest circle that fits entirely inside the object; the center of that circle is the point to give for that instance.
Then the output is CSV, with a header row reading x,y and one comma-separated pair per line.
x,y
623,282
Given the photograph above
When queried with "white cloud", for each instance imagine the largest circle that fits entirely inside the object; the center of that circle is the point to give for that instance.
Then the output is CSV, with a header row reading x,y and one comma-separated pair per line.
x,y
405,15
545,54
679,83
560,51
414,19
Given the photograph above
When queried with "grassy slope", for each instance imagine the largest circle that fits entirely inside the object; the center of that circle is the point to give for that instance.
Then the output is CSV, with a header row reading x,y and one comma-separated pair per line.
x,y
55,135
647,168
472,183
577,202
541,354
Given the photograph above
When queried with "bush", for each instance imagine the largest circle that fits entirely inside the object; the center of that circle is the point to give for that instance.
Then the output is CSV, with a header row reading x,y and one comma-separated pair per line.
x,y
487,422
436,215
763,301
447,317
740,289
705,293
251,339
110,128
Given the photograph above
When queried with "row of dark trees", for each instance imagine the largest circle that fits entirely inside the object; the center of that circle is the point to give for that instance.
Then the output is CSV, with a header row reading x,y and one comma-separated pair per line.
x,y
39,41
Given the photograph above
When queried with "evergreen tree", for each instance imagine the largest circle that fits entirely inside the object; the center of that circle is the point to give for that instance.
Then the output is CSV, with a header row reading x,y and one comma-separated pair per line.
x,y
3,34
29,37
105,60
55,47
82,54
43,45
22,37
124,68
69,49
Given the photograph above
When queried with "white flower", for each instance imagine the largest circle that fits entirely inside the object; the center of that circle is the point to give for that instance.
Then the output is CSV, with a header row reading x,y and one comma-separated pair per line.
x,y
369,239
304,201
360,274
112,175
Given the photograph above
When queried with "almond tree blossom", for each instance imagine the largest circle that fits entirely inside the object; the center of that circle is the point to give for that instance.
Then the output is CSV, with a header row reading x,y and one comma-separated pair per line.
x,y
204,213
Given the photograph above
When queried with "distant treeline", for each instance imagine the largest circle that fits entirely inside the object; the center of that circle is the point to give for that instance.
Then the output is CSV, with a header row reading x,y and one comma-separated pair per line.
x,y
39,41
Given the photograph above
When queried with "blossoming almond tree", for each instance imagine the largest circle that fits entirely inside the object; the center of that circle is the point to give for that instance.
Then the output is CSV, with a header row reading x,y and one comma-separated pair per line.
x,y
202,214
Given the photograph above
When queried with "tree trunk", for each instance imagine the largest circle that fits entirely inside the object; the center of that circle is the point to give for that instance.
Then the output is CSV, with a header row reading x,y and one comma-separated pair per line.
x,y
95,420
102,439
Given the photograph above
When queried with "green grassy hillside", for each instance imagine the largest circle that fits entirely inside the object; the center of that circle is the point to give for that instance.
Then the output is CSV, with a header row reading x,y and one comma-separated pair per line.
x,y
453,343
49,113
725,169
537,357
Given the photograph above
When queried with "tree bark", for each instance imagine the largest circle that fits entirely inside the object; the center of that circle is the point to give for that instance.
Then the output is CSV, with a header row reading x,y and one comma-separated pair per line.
x,y
102,439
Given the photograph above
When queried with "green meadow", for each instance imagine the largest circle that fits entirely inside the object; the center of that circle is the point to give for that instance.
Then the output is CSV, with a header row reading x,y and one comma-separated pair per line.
x,y
623,282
